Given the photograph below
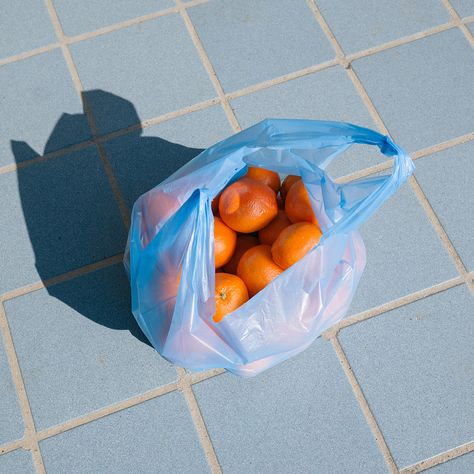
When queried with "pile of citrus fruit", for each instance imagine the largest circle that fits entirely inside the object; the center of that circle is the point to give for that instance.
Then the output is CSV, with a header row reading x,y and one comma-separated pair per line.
x,y
261,227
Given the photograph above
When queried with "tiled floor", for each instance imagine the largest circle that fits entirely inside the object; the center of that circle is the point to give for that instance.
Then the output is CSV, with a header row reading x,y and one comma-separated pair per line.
x,y
99,102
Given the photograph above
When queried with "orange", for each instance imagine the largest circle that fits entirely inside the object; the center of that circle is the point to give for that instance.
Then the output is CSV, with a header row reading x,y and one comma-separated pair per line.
x,y
294,242
247,205
269,234
244,242
230,293
225,240
257,269
297,205
270,178
289,181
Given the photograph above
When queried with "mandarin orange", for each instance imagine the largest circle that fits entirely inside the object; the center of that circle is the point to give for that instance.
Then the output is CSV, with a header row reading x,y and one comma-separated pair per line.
x,y
297,205
257,269
247,205
289,181
225,240
270,178
230,293
294,242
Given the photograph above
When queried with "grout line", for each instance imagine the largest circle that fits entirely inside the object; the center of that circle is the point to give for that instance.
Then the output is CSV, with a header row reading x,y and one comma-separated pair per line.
x,y
468,19
160,119
364,406
107,262
401,41
116,407
118,26
435,222
345,63
29,54
124,211
281,79
386,165
443,146
19,383
439,459
391,305
198,420
26,441
18,444
457,20
45,157
208,67
201,376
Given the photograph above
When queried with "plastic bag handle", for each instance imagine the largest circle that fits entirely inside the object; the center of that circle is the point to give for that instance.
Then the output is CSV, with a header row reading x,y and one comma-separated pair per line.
x,y
403,167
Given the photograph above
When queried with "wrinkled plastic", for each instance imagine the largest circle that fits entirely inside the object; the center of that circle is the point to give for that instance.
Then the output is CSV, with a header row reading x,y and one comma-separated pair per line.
x,y
170,259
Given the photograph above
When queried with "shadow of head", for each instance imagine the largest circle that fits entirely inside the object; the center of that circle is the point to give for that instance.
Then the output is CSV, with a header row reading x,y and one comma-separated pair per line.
x,y
70,211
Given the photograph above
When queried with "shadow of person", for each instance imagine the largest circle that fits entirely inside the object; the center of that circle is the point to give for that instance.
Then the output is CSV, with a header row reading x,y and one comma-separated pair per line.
x,y
70,213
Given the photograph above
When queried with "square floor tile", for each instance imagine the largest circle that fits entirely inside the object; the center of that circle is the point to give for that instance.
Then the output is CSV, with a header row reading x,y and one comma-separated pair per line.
x,y
463,7
80,349
24,26
11,421
325,95
359,25
155,436
142,160
414,365
423,90
88,15
252,41
37,94
153,64
57,215
461,465
447,180
17,462
404,253
300,416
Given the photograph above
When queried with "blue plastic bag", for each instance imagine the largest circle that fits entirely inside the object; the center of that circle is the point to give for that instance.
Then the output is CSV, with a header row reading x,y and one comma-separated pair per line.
x,y
170,255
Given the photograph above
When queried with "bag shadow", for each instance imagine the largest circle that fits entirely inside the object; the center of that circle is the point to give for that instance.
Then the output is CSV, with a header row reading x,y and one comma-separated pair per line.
x,y
70,214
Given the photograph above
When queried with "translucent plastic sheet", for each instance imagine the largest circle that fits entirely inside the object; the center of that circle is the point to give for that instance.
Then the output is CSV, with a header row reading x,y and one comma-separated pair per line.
x,y
170,255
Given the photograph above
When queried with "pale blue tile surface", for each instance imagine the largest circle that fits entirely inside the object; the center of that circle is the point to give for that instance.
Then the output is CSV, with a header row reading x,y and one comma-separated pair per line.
x,y
142,160
452,199
17,462
404,253
153,64
301,416
361,24
11,421
58,215
325,95
36,94
461,465
156,436
414,365
24,26
463,7
80,349
252,41
78,17
423,90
